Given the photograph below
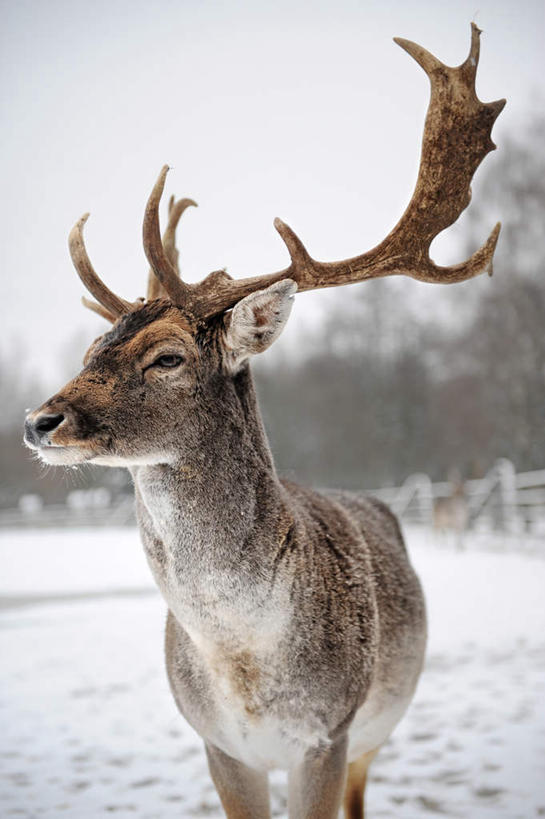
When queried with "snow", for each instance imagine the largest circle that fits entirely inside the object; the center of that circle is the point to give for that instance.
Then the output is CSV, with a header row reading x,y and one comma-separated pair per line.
x,y
51,561
89,727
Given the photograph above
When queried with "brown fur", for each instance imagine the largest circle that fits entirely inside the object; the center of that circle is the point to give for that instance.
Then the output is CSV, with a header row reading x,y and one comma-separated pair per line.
x,y
245,674
296,626
291,609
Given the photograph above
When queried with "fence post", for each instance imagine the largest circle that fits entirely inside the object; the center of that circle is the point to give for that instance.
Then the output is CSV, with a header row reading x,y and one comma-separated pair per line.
x,y
416,488
507,486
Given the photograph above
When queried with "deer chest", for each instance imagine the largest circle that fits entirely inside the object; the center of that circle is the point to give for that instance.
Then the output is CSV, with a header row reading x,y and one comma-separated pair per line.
x,y
239,698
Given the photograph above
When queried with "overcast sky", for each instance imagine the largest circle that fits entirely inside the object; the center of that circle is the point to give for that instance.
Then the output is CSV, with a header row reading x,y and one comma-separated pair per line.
x,y
306,111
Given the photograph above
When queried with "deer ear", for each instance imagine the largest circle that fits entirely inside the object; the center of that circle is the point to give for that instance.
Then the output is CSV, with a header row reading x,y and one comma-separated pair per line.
x,y
256,321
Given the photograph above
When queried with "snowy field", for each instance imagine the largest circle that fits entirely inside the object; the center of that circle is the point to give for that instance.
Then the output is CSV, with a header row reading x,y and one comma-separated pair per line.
x,y
88,727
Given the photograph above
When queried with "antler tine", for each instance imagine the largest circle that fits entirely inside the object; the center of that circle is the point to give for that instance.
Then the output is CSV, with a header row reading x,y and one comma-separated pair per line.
x,y
472,60
160,263
99,309
456,139
175,211
114,305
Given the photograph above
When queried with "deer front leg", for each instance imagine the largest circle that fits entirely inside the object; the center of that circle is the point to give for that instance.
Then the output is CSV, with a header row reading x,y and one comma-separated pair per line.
x,y
316,785
244,792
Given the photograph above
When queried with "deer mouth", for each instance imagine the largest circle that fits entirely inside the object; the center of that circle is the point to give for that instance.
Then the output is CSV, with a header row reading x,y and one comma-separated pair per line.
x,y
56,455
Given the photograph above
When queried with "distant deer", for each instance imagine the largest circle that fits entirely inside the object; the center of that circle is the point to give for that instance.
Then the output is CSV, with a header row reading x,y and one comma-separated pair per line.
x,y
451,513
296,626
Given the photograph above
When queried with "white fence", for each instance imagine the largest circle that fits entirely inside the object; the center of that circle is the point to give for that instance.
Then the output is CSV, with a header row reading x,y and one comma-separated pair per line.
x,y
503,501
32,513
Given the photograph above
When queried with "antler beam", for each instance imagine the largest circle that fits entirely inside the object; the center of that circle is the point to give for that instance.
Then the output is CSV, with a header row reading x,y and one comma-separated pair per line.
x,y
456,140
457,137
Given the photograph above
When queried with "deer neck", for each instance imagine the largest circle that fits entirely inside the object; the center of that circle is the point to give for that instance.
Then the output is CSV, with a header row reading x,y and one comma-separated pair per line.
x,y
210,517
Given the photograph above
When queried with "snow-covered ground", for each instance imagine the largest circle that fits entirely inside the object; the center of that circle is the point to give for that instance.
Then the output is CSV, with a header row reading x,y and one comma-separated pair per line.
x,y
88,727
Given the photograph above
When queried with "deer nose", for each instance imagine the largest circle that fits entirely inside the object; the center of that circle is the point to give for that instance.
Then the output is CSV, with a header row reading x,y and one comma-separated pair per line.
x,y
37,428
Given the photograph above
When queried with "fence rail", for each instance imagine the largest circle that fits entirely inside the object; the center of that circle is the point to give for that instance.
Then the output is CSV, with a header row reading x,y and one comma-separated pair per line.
x,y
502,500
118,513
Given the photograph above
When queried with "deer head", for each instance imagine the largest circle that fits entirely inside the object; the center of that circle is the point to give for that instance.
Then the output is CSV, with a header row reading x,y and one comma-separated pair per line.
x,y
147,382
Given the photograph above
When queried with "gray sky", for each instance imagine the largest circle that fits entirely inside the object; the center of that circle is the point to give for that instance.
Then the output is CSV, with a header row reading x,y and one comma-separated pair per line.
x,y
306,111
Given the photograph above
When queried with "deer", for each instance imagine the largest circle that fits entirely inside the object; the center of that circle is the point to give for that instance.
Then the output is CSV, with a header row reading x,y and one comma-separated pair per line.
x,y
451,512
296,625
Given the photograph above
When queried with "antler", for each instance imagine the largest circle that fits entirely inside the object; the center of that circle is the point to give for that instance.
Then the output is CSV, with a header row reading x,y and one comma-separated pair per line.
x,y
163,268
456,139
109,306
175,210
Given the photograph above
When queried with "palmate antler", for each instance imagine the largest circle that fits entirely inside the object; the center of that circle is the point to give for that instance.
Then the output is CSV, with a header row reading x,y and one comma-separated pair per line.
x,y
456,140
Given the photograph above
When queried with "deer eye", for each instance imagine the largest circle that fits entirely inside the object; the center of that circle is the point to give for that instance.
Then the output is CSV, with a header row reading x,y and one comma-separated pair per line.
x,y
169,360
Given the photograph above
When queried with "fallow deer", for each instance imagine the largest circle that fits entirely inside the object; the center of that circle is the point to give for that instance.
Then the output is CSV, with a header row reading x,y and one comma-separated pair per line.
x,y
451,512
296,626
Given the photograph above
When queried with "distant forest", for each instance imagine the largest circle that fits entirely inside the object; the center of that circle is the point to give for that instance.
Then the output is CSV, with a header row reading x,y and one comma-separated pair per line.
x,y
380,391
